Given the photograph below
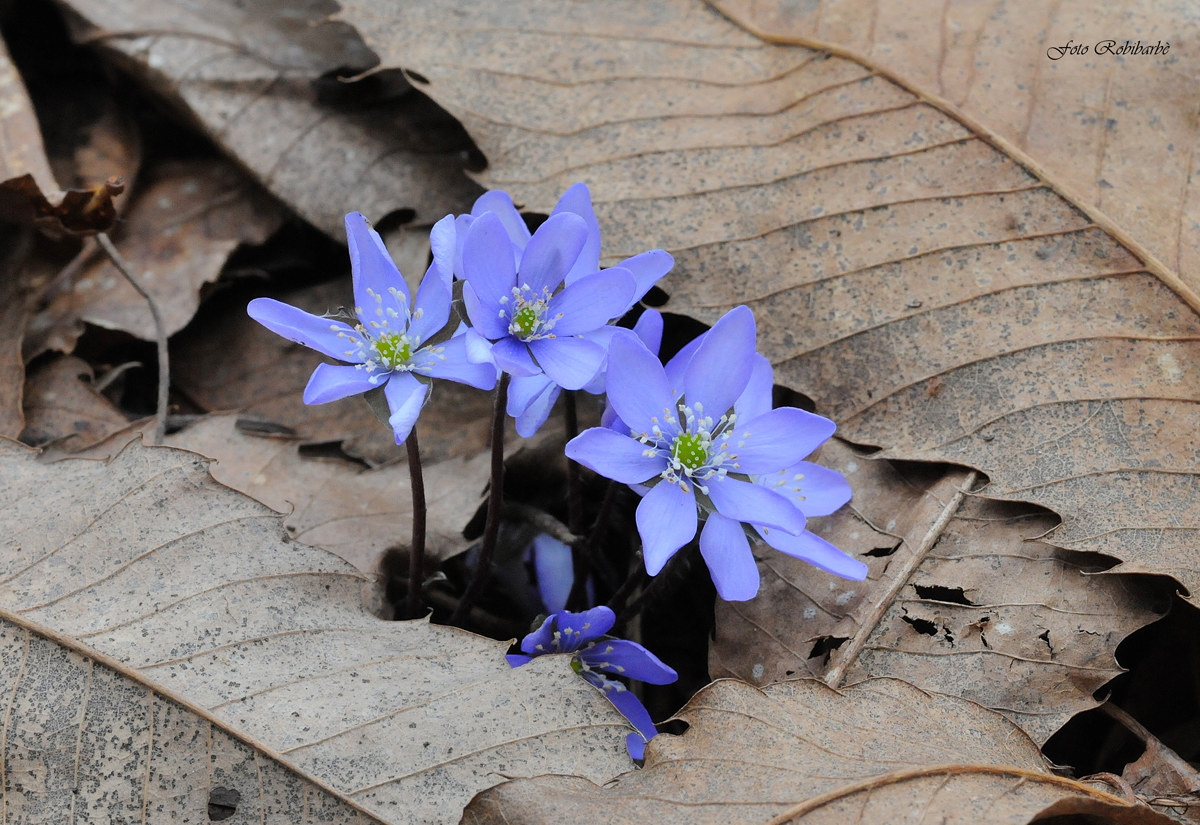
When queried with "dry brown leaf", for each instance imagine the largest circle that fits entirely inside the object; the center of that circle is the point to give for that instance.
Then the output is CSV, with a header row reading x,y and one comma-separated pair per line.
x,y
246,74
63,407
147,560
339,505
882,751
1119,132
186,219
88,739
961,598
932,295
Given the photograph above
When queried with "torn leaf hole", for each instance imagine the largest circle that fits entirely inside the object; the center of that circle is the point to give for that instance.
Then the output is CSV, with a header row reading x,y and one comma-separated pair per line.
x,y
882,552
937,593
222,803
924,626
826,645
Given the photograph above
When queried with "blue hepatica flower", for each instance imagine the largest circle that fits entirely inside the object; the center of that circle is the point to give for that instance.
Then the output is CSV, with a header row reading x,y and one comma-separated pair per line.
x,y
390,344
531,397
596,657
680,437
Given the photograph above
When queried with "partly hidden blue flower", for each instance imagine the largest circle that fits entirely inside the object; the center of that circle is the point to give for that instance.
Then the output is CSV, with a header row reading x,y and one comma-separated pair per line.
x,y
531,396
697,444
390,344
596,658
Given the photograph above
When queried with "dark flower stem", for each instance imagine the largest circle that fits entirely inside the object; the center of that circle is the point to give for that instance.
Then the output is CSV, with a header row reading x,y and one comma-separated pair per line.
x,y
491,530
677,562
413,607
577,600
580,554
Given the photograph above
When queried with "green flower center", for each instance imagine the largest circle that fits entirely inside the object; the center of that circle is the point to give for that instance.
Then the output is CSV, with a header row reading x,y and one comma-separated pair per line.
x,y
576,664
395,350
690,450
525,320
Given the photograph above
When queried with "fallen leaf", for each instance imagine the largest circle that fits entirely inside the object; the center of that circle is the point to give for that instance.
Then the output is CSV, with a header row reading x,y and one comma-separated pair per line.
x,y
186,220
247,76
1114,129
931,293
63,407
85,736
961,598
148,561
881,751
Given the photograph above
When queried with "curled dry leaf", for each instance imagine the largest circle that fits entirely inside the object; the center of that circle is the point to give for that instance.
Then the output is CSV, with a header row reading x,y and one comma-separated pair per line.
x,y
192,587
63,407
71,720
961,598
881,751
247,75
1116,129
933,294
186,219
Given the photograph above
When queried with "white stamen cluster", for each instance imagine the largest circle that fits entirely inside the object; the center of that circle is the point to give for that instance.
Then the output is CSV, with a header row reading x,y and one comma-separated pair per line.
x,y
696,448
527,315
383,344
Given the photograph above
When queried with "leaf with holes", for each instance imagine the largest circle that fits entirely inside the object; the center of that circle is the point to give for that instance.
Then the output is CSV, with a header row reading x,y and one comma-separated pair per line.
x,y
882,751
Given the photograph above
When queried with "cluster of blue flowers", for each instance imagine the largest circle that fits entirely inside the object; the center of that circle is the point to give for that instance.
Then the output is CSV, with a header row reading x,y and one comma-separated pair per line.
x,y
696,438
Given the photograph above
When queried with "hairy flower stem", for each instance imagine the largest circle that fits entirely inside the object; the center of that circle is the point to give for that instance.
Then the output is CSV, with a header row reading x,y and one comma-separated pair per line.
x,y
591,551
580,554
674,567
491,529
413,607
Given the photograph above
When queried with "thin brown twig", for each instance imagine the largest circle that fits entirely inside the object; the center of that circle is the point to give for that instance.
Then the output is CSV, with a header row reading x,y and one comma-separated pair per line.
x,y
160,334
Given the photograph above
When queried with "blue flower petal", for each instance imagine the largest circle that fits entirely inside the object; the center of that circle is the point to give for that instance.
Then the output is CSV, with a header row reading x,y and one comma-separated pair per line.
x,y
333,383
614,456
551,252
371,267
500,203
443,242
591,301
756,399
637,386
327,336
453,364
485,319
530,401
649,329
754,504
432,309
647,268
623,699
720,369
677,366
666,520
636,744
488,267
624,658
405,396
726,551
779,438
818,491
816,551
555,571
512,356
578,629
517,659
541,641
571,362
578,200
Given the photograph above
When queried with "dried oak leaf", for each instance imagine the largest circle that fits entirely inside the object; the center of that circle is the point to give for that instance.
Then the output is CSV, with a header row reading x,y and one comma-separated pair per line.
x,y
1113,128
936,295
247,75
880,751
961,598
190,589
